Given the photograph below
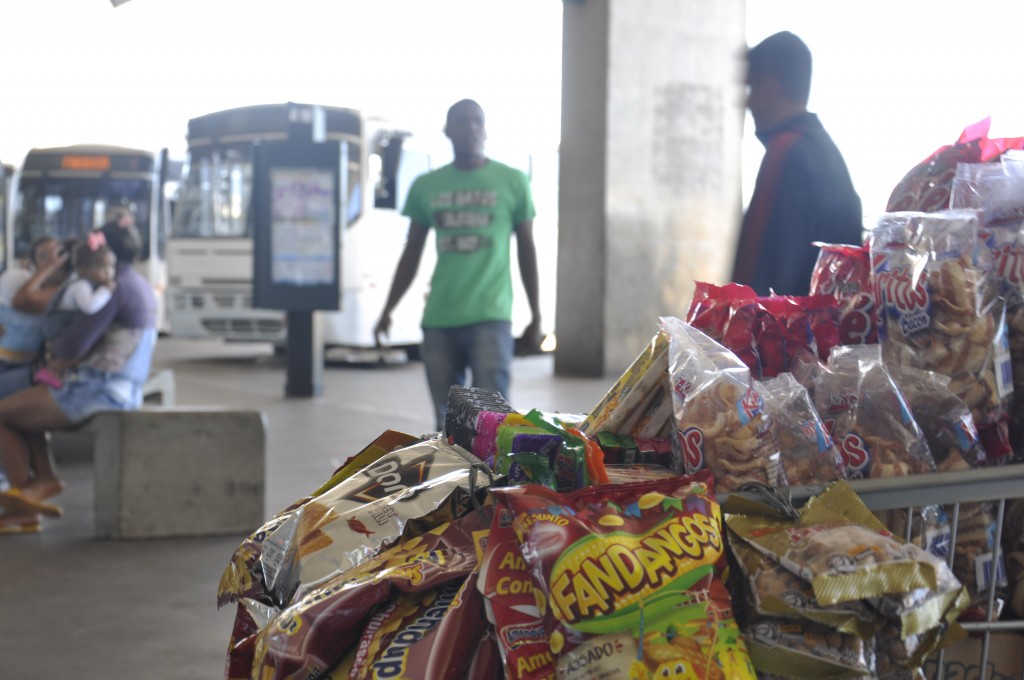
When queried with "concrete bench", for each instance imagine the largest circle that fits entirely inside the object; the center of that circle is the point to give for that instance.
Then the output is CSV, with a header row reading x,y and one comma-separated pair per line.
x,y
159,389
170,471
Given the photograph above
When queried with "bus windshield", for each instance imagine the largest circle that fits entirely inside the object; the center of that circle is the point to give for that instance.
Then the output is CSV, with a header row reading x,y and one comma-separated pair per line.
x,y
71,207
215,195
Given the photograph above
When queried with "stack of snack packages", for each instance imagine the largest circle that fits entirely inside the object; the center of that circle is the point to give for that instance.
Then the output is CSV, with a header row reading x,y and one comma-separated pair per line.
x,y
370,576
829,592
416,559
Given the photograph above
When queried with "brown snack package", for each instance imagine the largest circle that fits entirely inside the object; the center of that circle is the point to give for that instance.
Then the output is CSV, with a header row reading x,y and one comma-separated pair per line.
x,y
320,628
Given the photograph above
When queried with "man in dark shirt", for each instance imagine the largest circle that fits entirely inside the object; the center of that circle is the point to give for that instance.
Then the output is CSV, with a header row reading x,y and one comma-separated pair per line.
x,y
803,191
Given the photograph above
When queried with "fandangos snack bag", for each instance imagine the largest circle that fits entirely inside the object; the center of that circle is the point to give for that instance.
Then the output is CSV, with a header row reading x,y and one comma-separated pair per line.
x,y
627,580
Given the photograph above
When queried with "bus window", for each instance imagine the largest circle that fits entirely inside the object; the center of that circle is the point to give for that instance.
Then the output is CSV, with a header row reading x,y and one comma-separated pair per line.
x,y
388,149
215,194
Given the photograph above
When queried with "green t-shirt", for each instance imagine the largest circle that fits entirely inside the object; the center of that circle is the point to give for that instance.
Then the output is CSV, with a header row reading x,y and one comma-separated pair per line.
x,y
474,213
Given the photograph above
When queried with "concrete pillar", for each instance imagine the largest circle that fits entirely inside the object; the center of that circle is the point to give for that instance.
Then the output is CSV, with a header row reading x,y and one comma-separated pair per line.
x,y
649,186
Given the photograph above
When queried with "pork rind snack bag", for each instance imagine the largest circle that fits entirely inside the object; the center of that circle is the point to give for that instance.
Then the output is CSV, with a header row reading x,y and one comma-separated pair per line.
x,y
369,511
628,580
998,189
868,417
944,418
928,184
940,310
313,635
808,453
720,420
844,272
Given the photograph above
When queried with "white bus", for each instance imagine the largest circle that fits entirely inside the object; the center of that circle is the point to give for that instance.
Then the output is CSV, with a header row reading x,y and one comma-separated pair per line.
x,y
210,251
66,192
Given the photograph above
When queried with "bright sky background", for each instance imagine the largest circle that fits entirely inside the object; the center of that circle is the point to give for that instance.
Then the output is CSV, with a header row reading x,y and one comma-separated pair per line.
x,y
80,71
894,79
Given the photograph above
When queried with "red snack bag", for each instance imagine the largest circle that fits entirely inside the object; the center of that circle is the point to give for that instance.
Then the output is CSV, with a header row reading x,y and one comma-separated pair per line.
x,y
508,589
823,316
809,323
628,579
844,272
771,339
928,184
729,315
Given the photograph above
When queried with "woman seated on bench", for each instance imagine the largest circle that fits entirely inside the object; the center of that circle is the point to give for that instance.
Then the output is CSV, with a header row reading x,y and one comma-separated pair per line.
x,y
107,358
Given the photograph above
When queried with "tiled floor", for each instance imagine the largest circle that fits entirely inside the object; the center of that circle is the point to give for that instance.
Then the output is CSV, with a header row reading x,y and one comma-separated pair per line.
x,y
72,606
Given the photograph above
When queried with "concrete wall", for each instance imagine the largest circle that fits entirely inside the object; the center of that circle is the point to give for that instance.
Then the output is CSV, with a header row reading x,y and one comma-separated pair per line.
x,y
652,113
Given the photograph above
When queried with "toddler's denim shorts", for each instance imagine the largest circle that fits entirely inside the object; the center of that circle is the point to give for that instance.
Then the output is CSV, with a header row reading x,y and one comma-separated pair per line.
x,y
87,391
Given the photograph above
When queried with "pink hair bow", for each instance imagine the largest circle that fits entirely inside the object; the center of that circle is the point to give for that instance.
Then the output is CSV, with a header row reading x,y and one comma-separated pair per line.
x,y
95,240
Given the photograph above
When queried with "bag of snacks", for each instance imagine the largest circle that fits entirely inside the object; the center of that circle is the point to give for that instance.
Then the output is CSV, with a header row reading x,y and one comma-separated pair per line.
x,y
846,554
844,272
369,511
998,189
868,417
628,579
944,418
631,395
728,315
512,604
797,648
808,453
940,309
321,627
720,420
928,184
774,591
243,577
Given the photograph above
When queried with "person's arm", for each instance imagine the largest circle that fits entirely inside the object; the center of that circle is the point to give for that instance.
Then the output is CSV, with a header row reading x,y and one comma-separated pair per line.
x,y
85,298
527,251
405,272
34,297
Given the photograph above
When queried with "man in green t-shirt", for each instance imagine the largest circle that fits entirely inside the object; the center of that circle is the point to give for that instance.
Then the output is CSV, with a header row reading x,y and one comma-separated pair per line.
x,y
476,204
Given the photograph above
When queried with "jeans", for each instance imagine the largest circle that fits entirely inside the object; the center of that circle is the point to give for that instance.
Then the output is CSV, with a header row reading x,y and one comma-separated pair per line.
x,y
484,348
